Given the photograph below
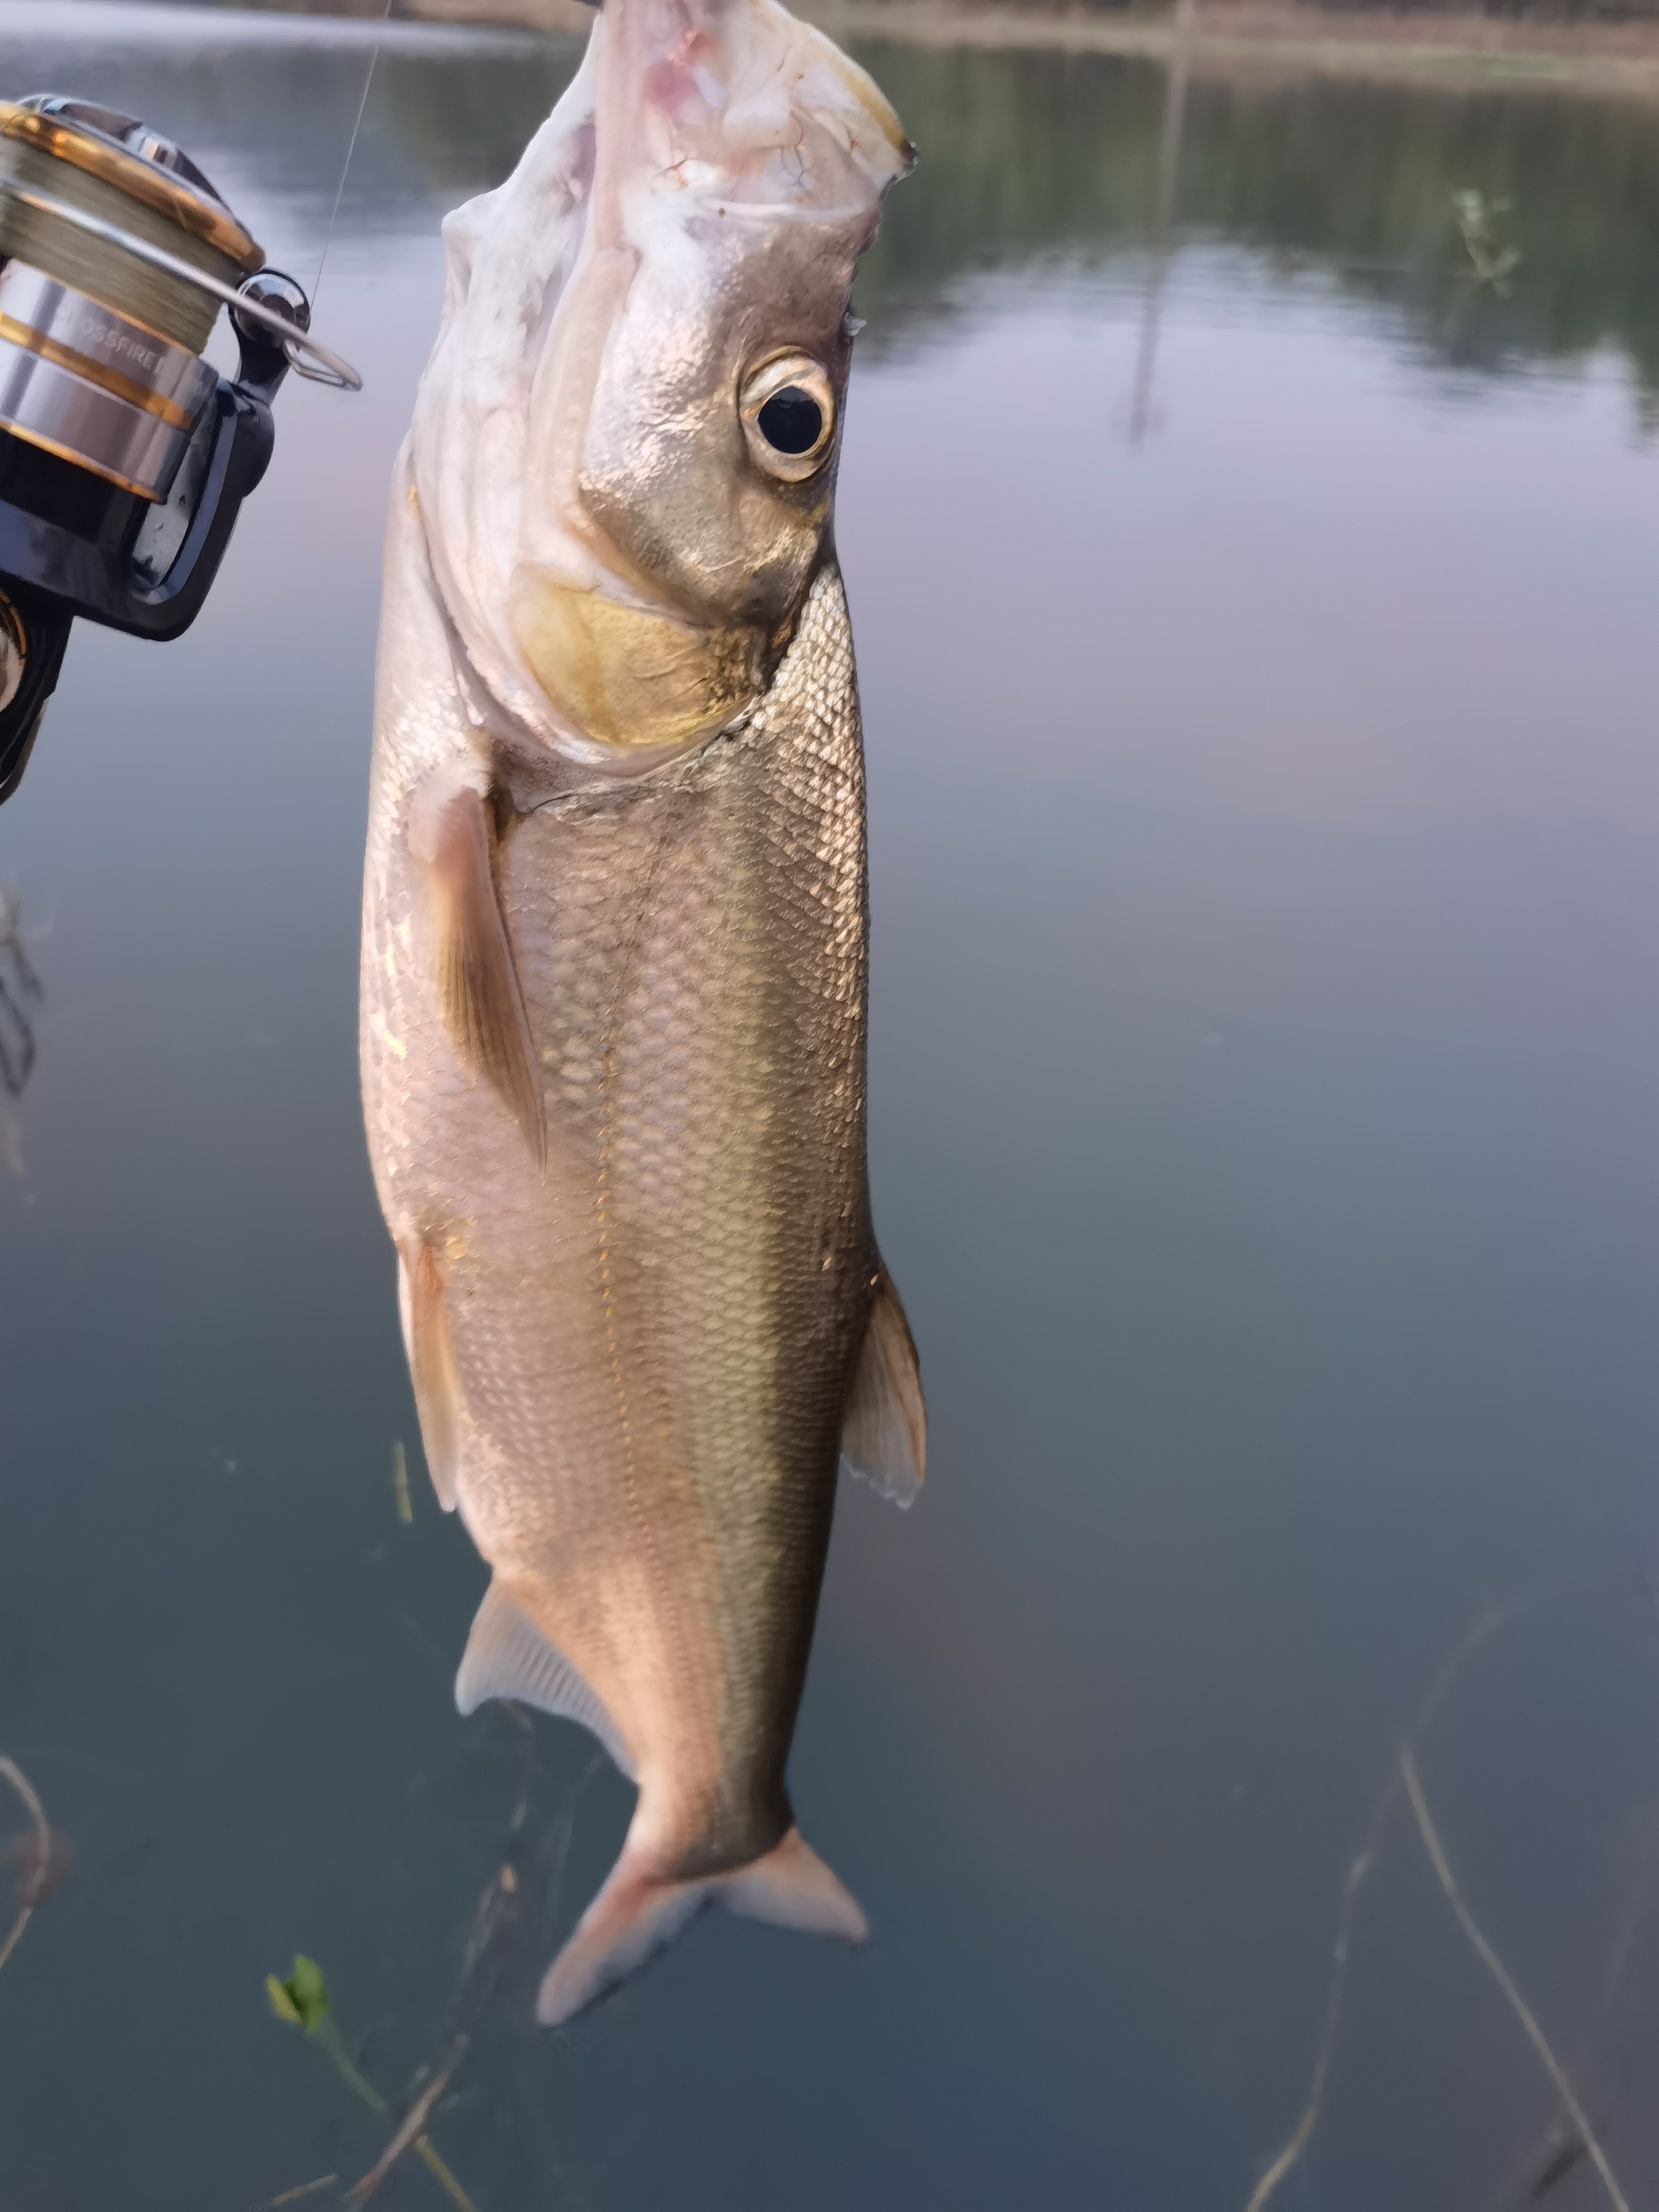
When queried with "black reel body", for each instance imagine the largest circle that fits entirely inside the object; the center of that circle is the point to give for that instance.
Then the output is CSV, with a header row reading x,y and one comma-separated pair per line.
x,y
123,457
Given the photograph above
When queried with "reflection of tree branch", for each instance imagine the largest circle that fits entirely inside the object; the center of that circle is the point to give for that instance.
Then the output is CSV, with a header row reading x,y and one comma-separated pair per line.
x,y
1169,165
1489,263
1489,1621
1500,1974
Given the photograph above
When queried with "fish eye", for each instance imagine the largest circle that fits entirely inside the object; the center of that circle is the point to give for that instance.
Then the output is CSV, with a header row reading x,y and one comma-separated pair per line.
x,y
788,414
791,420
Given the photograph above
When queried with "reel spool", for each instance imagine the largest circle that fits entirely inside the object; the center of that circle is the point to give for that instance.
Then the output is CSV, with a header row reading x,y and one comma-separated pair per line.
x,y
123,457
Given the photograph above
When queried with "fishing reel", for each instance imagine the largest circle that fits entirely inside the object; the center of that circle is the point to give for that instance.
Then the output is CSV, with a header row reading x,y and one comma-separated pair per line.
x,y
123,457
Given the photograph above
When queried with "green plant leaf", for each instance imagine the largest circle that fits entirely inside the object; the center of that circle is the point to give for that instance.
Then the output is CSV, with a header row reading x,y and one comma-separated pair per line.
x,y
281,2003
302,1999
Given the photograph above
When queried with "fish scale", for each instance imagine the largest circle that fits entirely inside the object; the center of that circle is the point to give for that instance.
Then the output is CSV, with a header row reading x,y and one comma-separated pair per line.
x,y
666,922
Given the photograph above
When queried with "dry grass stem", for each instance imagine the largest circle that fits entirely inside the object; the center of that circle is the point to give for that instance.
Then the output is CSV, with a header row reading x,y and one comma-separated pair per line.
x,y
30,1892
414,2126
306,2189
441,2174
1500,1974
1489,1622
1305,2127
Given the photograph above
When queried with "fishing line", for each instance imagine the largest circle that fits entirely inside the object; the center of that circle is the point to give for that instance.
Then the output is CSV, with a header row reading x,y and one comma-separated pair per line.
x,y
339,190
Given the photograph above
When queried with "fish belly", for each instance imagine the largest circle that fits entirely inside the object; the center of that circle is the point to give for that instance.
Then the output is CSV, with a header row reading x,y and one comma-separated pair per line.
x,y
651,1339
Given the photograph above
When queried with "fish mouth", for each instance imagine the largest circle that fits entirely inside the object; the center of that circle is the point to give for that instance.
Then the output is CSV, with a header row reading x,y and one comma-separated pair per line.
x,y
728,96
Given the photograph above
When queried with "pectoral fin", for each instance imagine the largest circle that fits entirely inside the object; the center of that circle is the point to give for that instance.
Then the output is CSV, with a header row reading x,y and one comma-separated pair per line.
x,y
884,1434
507,1655
431,1364
477,984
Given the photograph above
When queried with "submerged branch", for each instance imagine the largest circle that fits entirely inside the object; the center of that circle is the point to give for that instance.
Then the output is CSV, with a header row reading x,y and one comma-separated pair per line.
x,y
1500,1974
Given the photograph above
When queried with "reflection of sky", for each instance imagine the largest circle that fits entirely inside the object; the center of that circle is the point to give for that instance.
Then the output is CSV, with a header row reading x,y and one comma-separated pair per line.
x,y
1263,1082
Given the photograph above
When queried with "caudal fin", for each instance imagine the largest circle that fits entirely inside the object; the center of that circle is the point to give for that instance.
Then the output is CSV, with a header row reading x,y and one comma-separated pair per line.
x,y
636,1915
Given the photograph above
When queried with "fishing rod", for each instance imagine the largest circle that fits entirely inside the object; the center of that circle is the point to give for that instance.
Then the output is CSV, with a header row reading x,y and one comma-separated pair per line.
x,y
124,458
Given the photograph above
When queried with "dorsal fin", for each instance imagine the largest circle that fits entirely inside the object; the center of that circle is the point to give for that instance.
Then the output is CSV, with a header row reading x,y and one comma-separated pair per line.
x,y
506,1655
884,1434
478,984
431,1365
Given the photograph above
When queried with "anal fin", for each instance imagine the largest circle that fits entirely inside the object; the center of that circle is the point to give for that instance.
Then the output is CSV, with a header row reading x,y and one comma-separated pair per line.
x,y
431,1365
884,1434
477,984
506,1655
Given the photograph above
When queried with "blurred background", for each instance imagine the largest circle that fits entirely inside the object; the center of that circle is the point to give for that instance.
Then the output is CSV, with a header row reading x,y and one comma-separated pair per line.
x,y
1251,513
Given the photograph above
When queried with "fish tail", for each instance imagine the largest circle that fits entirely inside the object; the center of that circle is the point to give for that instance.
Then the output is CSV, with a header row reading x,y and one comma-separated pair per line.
x,y
639,1913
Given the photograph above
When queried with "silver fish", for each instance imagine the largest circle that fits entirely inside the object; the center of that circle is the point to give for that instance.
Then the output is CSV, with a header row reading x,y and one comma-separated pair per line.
x,y
615,937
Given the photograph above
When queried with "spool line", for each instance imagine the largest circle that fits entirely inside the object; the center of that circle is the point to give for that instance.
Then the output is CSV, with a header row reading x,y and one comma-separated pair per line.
x,y
333,370
125,172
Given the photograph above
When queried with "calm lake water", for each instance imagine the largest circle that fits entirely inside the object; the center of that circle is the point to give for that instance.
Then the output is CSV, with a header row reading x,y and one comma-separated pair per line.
x,y
1265,832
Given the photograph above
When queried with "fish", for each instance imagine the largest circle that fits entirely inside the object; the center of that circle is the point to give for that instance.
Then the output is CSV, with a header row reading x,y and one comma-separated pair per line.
x,y
615,942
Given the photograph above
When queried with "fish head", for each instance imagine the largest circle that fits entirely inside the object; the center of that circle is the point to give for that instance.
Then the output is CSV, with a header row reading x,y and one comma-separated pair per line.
x,y
625,445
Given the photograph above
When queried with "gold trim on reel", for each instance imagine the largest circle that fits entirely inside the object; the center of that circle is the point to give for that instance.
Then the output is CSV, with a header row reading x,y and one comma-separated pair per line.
x,y
72,172
66,138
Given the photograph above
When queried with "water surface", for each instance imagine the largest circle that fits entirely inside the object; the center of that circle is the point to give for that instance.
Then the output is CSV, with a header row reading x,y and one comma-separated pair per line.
x,y
1265,1081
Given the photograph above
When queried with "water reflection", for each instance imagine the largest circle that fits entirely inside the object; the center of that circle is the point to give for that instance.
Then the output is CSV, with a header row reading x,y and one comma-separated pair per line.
x,y
1264,1087
1054,156
1032,159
